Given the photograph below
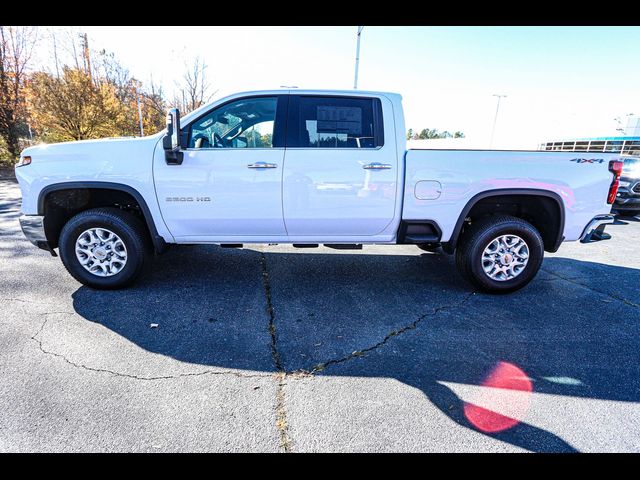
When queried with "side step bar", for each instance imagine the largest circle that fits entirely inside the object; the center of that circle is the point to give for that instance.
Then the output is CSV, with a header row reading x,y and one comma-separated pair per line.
x,y
335,246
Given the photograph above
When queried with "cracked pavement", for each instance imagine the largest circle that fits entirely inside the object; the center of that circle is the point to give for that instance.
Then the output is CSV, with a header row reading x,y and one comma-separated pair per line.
x,y
273,349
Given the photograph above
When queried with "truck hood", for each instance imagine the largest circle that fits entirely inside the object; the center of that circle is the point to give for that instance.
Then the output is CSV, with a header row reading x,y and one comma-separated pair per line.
x,y
85,149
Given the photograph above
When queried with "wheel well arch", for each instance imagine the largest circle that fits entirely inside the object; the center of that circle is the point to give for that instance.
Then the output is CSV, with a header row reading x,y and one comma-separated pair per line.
x,y
544,209
60,201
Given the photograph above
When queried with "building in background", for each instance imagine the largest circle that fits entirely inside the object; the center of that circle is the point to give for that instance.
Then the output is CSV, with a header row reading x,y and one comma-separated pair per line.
x,y
627,144
622,145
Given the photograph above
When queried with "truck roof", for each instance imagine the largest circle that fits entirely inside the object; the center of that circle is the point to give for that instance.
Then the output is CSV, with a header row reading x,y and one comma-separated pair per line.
x,y
294,90
321,91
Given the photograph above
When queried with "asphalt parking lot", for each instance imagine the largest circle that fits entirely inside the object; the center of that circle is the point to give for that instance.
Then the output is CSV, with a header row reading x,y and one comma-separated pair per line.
x,y
274,349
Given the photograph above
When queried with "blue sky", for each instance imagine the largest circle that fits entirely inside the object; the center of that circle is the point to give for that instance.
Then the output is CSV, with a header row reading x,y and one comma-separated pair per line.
x,y
559,81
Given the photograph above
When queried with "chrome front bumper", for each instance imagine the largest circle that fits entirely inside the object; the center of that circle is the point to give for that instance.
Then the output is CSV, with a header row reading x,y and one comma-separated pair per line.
x,y
594,231
33,228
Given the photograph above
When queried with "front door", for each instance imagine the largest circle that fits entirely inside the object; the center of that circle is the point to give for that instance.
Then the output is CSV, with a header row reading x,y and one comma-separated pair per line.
x,y
230,182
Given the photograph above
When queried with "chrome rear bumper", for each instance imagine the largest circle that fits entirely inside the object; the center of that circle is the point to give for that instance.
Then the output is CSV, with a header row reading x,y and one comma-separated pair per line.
x,y
594,231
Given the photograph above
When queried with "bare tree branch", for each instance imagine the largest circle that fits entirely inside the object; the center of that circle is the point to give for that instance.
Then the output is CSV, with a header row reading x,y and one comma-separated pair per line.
x,y
194,90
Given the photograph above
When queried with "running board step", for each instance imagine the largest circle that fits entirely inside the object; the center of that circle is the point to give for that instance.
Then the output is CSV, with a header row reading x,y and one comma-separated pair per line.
x,y
413,238
344,246
305,245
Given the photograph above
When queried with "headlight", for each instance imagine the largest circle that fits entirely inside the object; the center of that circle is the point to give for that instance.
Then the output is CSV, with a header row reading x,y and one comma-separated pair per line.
x,y
24,161
624,184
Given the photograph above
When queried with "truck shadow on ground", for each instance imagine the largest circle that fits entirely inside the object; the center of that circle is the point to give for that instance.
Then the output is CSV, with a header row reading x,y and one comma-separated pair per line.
x,y
405,317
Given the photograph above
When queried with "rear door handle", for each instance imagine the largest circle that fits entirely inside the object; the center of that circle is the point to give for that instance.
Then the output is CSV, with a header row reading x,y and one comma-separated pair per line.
x,y
262,165
376,166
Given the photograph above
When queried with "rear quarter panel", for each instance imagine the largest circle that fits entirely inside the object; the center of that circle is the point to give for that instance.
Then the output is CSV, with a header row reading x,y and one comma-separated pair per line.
x,y
582,185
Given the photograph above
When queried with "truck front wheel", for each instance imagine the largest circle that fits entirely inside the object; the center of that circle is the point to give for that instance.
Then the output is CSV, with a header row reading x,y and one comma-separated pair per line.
x,y
104,248
500,254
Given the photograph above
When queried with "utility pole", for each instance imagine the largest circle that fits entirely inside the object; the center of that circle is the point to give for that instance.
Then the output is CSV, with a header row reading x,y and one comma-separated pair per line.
x,y
495,119
140,113
355,81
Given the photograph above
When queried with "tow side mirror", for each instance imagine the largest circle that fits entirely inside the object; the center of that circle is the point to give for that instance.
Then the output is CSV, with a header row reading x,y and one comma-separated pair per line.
x,y
171,141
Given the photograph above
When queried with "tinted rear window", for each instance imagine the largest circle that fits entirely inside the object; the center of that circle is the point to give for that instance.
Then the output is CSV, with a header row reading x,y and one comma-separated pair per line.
x,y
339,122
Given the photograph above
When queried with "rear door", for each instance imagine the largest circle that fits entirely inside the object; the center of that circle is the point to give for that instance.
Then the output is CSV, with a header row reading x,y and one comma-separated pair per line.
x,y
341,166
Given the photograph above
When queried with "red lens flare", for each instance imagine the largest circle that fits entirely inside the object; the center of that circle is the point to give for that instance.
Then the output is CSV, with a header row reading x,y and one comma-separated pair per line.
x,y
504,376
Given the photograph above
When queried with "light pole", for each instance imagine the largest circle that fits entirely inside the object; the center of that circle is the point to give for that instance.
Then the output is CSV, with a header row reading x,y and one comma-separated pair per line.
x,y
355,81
495,119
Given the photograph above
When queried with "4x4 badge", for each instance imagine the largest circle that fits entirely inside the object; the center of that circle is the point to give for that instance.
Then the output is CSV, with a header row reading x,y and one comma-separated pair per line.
x,y
587,160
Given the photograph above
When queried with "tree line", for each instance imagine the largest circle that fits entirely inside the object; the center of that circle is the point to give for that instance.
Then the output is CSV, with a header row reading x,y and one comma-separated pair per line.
x,y
427,133
89,94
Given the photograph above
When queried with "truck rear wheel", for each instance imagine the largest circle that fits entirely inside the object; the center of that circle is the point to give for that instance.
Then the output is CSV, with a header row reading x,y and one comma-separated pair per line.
x,y
500,254
104,248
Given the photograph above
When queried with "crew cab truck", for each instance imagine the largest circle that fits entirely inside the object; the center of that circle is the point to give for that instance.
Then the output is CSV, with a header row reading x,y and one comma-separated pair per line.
x,y
307,167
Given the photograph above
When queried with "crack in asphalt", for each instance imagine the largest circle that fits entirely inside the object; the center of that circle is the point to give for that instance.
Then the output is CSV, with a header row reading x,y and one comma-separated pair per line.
x,y
275,355
40,302
286,443
35,338
571,280
412,326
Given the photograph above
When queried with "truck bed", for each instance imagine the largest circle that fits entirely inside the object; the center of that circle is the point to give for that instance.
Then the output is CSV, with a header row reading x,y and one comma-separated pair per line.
x,y
438,182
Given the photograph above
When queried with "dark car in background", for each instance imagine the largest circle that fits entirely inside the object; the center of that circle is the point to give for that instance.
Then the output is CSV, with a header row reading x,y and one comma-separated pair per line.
x,y
628,199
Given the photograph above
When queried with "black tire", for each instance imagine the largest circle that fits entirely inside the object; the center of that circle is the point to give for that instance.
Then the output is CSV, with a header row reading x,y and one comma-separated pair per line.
x,y
127,226
429,247
478,236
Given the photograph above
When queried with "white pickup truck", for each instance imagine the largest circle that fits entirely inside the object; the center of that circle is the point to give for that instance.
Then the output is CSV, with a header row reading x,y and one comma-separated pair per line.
x,y
307,167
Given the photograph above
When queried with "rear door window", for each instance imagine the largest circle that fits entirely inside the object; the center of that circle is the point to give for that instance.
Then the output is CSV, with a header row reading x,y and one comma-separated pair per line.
x,y
335,122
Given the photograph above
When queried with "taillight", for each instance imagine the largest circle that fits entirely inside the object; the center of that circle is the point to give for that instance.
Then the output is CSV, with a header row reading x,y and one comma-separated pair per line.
x,y
615,167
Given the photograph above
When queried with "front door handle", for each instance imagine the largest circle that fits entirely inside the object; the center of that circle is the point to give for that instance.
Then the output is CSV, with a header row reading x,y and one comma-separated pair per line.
x,y
262,165
376,166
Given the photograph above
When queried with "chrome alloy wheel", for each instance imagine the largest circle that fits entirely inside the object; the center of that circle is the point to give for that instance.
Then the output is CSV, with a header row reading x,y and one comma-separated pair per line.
x,y
101,252
505,257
